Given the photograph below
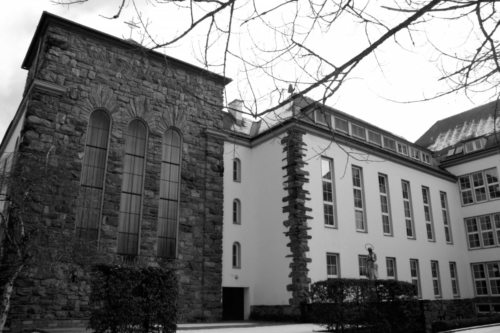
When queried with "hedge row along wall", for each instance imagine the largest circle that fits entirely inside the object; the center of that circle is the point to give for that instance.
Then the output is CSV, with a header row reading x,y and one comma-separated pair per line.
x,y
131,299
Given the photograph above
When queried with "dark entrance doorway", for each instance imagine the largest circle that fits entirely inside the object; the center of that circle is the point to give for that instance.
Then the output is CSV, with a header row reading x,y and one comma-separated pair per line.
x,y
233,302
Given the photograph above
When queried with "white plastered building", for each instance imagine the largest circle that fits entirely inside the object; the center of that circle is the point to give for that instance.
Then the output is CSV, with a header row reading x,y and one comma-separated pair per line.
x,y
429,209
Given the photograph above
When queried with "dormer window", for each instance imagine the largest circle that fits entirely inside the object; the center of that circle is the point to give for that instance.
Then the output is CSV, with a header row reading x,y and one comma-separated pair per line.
x,y
341,125
321,117
375,138
402,149
474,145
358,131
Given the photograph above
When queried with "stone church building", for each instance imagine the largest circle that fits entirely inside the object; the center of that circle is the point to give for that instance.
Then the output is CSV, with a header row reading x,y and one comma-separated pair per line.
x,y
125,124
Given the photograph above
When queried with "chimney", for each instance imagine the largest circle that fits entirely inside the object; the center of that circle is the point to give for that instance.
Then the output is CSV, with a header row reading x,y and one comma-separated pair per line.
x,y
235,109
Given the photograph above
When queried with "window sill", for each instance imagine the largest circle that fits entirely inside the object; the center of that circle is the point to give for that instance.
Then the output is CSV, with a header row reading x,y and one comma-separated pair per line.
x,y
328,226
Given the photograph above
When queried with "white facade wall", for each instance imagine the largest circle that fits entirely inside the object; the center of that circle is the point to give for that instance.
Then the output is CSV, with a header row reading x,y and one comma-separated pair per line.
x,y
264,266
477,209
350,243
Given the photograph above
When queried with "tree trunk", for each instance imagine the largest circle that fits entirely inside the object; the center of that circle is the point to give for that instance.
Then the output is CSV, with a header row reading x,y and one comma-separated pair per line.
x,y
8,288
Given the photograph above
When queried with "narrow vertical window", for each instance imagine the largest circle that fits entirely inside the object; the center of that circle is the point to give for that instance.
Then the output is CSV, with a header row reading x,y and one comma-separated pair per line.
x,y
480,280
363,265
132,187
88,215
327,177
493,183
454,279
429,225
236,255
446,217
170,180
237,170
332,265
385,204
390,263
236,211
436,279
415,275
408,210
359,206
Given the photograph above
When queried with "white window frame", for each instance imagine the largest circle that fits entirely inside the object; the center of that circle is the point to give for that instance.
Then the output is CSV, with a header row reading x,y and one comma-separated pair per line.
x,y
402,148
323,118
390,265
384,196
329,204
236,255
363,265
488,280
386,139
429,221
476,228
436,279
455,286
415,276
236,211
355,128
236,170
408,213
339,127
475,192
372,135
445,213
332,269
359,210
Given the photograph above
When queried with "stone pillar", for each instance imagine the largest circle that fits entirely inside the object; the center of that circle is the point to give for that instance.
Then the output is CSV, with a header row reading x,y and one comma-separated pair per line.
x,y
295,178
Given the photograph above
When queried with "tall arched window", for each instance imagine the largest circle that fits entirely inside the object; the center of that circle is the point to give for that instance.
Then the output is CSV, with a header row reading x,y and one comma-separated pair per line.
x,y
170,180
88,215
132,187
237,170
236,255
236,211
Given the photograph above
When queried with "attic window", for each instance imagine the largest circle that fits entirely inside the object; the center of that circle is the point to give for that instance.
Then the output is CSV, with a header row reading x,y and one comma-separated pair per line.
x,y
459,149
402,149
389,143
341,125
474,145
451,152
375,138
358,131
322,117
426,158
415,153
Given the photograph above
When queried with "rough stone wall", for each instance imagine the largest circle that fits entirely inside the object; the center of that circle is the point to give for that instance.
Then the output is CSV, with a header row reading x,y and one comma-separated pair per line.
x,y
124,80
296,223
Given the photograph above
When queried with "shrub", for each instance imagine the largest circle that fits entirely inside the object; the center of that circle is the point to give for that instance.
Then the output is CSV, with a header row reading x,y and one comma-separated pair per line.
x,y
130,299
365,306
445,325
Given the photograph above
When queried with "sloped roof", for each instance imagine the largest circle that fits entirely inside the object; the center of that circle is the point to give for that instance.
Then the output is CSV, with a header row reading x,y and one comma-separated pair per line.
x,y
466,125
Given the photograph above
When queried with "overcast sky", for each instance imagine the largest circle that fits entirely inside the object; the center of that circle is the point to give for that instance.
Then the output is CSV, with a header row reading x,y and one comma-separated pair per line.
x,y
400,74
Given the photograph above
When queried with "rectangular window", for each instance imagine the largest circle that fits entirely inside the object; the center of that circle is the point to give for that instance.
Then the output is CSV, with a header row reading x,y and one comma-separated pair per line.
x,y
327,177
446,217
363,265
375,138
415,275
341,125
408,210
358,131
429,224
385,207
332,265
479,186
454,279
483,231
436,279
389,143
359,210
402,149
415,153
390,263
322,117
486,278
426,158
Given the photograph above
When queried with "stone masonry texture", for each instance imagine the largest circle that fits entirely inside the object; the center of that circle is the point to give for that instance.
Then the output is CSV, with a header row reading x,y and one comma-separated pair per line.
x,y
96,71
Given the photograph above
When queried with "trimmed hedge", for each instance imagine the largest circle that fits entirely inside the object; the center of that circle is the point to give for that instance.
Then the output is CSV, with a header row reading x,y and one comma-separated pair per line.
x,y
131,299
445,325
353,305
